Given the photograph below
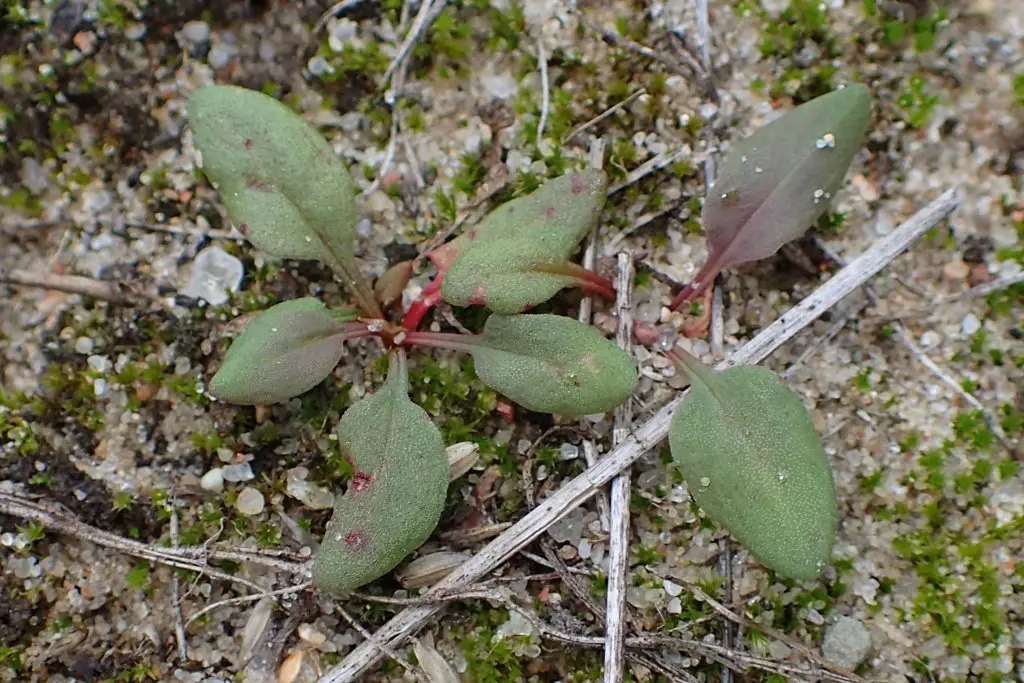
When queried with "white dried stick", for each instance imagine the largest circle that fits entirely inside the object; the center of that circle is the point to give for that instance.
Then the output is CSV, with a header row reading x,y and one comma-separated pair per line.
x,y
618,535
646,437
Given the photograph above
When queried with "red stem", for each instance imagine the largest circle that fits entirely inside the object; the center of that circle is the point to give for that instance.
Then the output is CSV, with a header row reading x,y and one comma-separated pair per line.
x,y
588,280
441,340
428,298
357,331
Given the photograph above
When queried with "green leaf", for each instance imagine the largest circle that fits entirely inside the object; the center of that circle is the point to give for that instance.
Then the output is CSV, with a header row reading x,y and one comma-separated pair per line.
x,y
747,448
286,351
508,276
280,181
553,364
397,491
560,212
773,186
505,261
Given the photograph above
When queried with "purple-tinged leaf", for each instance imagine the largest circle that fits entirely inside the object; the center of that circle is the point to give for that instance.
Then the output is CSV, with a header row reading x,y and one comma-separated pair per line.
x,y
773,186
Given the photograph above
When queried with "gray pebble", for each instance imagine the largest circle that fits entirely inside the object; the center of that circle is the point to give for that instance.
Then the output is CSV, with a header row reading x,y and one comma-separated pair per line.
x,y
847,643
196,31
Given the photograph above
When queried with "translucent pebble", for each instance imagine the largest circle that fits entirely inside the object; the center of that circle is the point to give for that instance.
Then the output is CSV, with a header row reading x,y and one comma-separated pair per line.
x,y
98,363
502,86
318,66
99,387
84,345
667,336
250,502
238,472
214,273
311,635
311,495
195,31
569,529
22,566
33,176
213,480
647,313
7,539
568,451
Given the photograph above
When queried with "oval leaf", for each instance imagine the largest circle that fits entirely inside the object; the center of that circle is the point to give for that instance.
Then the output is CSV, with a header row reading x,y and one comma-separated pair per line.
x,y
507,276
553,364
773,186
560,212
287,350
397,491
748,450
503,262
280,181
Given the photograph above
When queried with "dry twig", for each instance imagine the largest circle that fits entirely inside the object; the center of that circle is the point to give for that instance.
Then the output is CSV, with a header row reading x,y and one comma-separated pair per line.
x,y
106,290
335,10
603,115
648,167
189,557
287,590
613,38
983,289
429,11
179,625
618,536
545,102
953,383
370,638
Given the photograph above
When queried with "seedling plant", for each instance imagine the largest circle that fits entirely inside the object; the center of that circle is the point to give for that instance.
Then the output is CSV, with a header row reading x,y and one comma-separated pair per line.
x,y
744,442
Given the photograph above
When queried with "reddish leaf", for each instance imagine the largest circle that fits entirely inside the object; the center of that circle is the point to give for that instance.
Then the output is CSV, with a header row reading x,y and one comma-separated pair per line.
x,y
772,186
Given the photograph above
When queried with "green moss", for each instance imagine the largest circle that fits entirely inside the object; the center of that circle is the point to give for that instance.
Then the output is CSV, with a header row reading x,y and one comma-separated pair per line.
x,y
489,659
803,22
471,173
915,102
920,32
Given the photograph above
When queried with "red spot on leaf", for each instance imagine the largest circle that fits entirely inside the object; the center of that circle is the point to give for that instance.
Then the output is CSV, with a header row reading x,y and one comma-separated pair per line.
x,y
355,540
549,212
361,481
248,143
479,296
244,228
256,183
577,184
